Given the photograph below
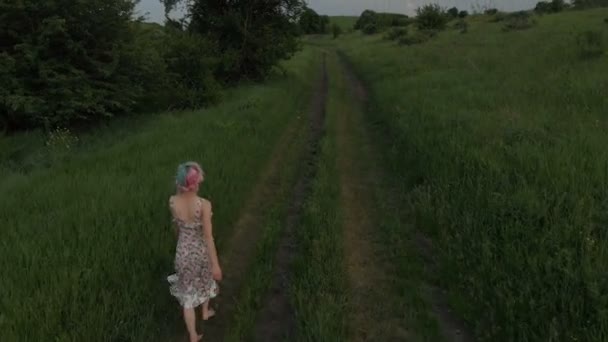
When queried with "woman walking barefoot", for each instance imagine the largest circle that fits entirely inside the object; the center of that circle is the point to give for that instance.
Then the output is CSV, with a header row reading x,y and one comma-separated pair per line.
x,y
196,264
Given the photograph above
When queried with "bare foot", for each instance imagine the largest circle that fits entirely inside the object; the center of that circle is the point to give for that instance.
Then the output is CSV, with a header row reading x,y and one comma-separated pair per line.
x,y
210,313
196,338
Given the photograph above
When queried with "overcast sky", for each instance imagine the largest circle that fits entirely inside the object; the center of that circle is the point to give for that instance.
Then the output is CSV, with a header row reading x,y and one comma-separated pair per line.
x,y
155,12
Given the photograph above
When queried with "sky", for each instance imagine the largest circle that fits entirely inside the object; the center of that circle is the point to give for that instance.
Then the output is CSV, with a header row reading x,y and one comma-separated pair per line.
x,y
154,10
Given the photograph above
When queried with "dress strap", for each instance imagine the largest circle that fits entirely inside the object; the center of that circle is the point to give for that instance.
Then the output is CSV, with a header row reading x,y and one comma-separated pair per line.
x,y
199,211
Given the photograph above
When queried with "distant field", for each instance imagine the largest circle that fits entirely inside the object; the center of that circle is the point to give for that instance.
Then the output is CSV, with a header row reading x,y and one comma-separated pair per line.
x,y
345,22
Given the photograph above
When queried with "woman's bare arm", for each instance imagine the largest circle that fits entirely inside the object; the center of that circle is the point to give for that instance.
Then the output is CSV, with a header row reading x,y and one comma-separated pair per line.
x,y
208,232
172,210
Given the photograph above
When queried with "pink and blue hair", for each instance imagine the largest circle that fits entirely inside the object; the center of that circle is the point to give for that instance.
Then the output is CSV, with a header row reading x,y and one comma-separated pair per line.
x,y
189,176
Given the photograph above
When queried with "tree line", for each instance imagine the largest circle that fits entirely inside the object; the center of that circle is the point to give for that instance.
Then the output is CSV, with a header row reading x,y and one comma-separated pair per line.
x,y
70,63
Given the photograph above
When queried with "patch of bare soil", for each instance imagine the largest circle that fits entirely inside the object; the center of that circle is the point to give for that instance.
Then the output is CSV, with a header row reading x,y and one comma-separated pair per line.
x,y
276,319
452,328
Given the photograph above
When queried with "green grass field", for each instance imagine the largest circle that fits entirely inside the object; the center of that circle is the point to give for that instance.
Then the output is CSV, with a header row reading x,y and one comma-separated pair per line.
x,y
320,278
345,22
86,242
472,163
499,138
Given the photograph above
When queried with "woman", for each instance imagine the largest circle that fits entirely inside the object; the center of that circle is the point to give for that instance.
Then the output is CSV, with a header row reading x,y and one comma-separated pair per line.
x,y
196,264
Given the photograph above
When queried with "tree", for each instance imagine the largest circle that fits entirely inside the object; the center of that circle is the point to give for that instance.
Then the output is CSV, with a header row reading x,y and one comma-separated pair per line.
x,y
463,14
310,21
250,35
336,30
543,7
431,17
453,12
324,19
175,24
190,63
557,6
62,61
580,4
554,6
366,18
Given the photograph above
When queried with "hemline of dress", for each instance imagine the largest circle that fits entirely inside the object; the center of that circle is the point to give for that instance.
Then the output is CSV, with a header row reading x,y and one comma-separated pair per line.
x,y
190,301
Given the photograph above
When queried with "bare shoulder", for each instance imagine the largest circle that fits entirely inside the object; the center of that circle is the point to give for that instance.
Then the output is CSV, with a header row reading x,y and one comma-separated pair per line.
x,y
206,204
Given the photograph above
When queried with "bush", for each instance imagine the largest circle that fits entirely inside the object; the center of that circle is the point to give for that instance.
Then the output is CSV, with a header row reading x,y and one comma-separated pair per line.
x,y
396,33
463,14
518,21
591,44
491,11
414,39
370,28
431,17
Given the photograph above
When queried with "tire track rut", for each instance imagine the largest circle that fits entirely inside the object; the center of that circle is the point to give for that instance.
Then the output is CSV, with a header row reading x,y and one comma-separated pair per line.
x,y
276,319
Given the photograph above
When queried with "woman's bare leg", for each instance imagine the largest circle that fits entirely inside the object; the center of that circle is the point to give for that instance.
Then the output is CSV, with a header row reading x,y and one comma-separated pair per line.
x,y
207,313
190,319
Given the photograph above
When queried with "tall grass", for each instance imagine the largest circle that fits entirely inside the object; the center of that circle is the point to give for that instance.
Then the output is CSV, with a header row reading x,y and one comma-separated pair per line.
x,y
500,139
86,244
319,286
259,276
324,299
